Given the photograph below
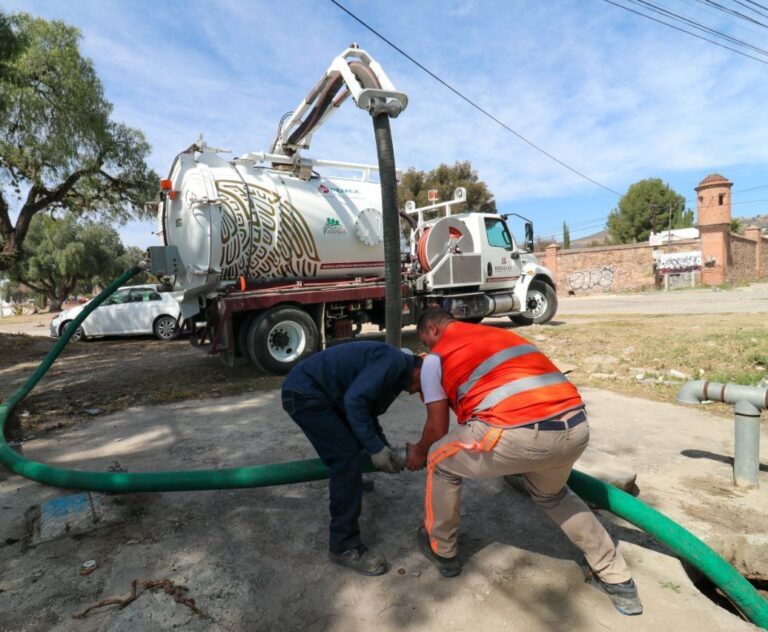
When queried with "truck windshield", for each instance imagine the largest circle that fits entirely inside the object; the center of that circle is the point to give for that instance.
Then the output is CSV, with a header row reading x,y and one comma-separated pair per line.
x,y
498,235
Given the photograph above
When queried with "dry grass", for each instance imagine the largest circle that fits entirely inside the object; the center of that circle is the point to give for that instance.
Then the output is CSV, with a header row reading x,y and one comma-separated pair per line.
x,y
634,355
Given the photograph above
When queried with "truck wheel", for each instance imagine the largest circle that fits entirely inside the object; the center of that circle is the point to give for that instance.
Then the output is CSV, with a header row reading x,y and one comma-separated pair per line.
x,y
280,338
541,305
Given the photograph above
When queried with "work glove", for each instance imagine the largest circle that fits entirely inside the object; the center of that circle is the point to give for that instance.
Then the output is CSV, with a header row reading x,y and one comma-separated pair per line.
x,y
387,461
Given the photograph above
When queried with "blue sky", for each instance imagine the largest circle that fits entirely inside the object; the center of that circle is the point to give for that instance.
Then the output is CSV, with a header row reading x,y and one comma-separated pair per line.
x,y
616,96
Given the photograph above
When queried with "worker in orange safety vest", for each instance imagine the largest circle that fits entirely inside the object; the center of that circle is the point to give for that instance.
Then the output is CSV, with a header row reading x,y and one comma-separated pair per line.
x,y
517,414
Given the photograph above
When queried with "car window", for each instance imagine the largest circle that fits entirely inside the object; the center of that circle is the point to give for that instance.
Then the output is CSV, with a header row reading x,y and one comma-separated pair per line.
x,y
143,295
498,235
118,298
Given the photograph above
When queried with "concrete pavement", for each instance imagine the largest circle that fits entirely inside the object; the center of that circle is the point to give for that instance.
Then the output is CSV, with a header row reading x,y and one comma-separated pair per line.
x,y
255,559
748,299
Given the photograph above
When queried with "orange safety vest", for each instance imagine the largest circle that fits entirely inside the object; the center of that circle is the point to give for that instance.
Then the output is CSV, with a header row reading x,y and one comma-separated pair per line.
x,y
501,378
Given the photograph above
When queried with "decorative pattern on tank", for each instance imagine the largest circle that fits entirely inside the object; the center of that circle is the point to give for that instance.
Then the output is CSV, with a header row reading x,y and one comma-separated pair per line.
x,y
276,243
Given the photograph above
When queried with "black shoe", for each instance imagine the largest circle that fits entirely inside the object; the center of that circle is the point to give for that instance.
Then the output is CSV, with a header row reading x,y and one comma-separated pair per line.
x,y
448,566
623,596
361,560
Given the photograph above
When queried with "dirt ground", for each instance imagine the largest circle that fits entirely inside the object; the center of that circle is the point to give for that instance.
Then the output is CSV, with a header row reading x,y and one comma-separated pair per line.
x,y
254,559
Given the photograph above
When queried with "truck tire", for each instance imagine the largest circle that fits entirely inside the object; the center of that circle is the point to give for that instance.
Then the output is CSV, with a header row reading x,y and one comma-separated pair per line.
x,y
541,303
280,338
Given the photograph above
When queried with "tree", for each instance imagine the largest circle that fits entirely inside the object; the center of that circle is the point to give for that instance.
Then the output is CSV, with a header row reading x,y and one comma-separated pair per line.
x,y
415,184
67,255
566,237
647,206
59,148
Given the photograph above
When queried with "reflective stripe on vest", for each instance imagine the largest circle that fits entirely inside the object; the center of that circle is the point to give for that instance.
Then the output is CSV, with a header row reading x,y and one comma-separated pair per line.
x,y
491,363
519,386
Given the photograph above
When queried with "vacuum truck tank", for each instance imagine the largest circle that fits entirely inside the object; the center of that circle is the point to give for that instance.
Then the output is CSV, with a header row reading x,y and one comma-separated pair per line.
x,y
236,218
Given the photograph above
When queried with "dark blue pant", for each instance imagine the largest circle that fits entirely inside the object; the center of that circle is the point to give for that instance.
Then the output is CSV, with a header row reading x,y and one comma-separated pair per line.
x,y
330,435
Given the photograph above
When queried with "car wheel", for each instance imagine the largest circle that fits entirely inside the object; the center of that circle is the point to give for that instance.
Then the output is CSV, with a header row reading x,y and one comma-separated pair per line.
x,y
78,336
166,328
280,338
541,305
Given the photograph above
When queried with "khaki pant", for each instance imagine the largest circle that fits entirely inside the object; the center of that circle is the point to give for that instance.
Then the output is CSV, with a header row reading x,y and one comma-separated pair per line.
x,y
544,458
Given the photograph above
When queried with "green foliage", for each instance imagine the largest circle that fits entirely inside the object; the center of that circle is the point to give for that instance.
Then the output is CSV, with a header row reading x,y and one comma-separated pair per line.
x,y
59,148
132,256
566,237
647,207
62,256
415,184
737,226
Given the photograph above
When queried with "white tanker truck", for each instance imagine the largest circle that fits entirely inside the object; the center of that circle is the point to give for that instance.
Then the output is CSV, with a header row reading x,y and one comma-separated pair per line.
x,y
275,259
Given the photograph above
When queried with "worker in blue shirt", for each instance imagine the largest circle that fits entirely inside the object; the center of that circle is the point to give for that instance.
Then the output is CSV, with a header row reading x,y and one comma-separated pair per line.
x,y
335,397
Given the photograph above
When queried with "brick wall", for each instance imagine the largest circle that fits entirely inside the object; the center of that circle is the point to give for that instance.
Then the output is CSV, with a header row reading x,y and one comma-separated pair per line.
x,y
607,268
741,265
630,267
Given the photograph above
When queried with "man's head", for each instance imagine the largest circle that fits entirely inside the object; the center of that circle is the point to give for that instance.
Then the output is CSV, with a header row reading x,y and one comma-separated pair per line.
x,y
415,384
431,325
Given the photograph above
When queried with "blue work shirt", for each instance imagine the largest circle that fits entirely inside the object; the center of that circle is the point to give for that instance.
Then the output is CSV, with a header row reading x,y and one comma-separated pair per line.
x,y
360,379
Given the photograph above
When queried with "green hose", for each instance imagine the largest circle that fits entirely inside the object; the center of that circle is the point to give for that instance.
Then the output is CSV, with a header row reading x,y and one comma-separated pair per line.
x,y
683,542
669,533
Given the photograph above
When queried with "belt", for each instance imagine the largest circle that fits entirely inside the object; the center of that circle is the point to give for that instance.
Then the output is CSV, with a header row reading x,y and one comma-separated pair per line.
x,y
558,424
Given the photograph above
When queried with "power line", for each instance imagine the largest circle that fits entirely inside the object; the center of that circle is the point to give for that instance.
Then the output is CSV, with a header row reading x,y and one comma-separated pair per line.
x,y
757,4
762,186
730,11
697,25
677,28
471,102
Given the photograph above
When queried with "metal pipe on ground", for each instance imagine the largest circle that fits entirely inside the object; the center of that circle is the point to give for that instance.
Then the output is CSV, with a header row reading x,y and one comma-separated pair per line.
x,y
685,544
749,402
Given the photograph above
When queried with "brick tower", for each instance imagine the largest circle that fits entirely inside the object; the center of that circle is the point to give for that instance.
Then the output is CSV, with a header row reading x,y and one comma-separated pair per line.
x,y
713,210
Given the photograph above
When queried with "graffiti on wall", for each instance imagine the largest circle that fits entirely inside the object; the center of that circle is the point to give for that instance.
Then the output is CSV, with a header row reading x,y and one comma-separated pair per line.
x,y
589,279
678,262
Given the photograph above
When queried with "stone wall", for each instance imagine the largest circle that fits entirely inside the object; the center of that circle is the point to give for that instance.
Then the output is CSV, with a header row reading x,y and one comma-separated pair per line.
x,y
741,264
764,259
734,258
607,268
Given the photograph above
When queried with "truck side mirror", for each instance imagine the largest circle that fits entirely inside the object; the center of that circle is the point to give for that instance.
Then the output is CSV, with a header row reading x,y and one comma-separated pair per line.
x,y
528,237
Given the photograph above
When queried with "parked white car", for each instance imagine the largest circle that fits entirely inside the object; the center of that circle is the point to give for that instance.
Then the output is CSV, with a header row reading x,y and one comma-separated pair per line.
x,y
136,309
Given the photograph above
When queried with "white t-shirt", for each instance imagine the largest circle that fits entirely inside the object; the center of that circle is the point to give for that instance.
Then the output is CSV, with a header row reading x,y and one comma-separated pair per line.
x,y
431,379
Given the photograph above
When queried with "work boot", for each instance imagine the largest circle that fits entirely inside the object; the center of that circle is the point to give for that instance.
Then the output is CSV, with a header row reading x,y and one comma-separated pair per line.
x,y
448,566
361,560
623,596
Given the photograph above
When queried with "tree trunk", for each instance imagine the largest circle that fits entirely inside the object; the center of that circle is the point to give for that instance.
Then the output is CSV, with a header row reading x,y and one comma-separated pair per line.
x,y
10,252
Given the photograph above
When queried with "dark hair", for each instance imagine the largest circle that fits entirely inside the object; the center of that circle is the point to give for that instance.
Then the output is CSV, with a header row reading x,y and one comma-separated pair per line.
x,y
433,316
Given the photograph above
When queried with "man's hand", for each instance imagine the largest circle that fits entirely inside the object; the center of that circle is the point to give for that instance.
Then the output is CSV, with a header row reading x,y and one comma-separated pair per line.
x,y
417,458
386,461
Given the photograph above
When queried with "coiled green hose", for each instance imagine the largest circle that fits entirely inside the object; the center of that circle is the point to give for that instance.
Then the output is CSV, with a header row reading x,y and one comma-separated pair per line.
x,y
682,542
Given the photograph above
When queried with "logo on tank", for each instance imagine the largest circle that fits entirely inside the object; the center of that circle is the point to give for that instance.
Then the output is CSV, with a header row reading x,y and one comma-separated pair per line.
x,y
333,227
332,189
